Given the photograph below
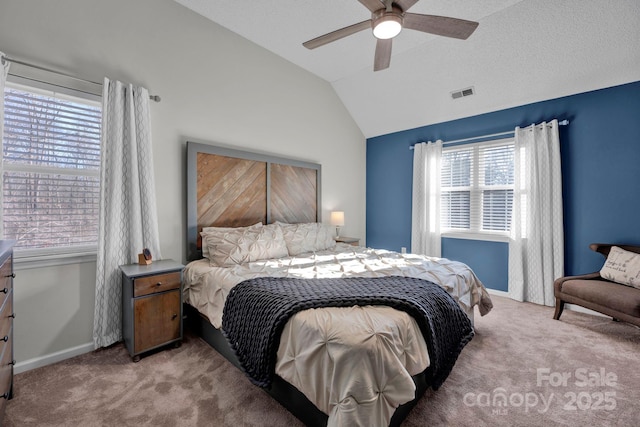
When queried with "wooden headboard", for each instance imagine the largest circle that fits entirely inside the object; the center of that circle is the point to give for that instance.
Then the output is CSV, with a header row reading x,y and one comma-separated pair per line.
x,y
233,188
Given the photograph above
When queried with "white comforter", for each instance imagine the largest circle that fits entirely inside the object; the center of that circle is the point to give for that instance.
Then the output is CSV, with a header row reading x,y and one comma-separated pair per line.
x,y
355,364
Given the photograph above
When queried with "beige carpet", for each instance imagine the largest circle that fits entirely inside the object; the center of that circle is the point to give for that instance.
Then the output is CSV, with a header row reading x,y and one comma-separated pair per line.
x,y
521,369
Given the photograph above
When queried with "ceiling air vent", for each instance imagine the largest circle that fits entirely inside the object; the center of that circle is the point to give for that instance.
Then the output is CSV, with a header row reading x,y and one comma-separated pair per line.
x,y
462,93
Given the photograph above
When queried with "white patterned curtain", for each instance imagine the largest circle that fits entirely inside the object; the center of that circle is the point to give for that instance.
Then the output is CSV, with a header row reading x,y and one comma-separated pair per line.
x,y
425,202
536,247
128,216
4,70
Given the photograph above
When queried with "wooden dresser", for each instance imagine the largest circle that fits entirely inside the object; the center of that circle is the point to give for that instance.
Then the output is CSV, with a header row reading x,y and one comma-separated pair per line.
x,y
6,323
151,306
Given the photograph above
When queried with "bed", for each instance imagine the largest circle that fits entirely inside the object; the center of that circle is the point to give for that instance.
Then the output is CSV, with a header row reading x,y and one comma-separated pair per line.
x,y
253,217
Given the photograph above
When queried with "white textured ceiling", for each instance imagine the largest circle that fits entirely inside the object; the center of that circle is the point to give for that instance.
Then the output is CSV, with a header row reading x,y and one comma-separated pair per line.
x,y
523,51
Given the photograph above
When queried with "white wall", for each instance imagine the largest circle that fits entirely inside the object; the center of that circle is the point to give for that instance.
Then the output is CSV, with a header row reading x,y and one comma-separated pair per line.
x,y
215,87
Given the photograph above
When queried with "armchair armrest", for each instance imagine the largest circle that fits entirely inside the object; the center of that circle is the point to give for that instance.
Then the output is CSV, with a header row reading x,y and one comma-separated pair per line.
x,y
557,284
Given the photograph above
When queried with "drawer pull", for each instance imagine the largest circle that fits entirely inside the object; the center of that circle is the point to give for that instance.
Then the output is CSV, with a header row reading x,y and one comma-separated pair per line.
x,y
159,284
174,316
6,396
13,315
5,338
12,275
13,362
5,290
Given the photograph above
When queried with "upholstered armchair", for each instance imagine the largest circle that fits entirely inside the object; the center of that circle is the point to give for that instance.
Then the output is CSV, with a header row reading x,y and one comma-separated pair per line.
x,y
594,292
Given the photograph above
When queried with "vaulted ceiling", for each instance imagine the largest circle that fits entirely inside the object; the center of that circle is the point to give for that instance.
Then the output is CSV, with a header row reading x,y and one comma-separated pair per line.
x,y
522,52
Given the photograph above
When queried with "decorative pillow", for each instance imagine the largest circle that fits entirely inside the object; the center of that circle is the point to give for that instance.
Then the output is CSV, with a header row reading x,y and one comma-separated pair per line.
x,y
622,267
248,245
219,232
269,244
307,237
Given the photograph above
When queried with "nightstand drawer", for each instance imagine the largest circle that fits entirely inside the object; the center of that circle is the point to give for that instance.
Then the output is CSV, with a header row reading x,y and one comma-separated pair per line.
x,y
157,320
156,283
353,241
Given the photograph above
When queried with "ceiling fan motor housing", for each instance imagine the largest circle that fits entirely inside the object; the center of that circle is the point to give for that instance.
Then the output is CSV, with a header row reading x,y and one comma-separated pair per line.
x,y
387,24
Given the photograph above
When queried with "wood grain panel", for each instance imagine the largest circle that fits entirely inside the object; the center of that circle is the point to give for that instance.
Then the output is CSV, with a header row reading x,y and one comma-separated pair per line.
x,y
157,320
293,193
231,192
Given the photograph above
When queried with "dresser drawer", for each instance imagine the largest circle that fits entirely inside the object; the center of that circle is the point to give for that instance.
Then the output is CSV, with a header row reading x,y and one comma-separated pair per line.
x,y
6,320
157,283
6,333
6,281
6,370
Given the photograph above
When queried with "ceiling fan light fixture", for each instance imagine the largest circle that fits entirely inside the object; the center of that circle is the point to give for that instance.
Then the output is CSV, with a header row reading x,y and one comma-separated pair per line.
x,y
387,26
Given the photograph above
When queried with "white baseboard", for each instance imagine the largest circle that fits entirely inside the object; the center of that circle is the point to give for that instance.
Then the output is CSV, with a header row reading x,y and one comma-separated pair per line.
x,y
572,307
48,359
498,293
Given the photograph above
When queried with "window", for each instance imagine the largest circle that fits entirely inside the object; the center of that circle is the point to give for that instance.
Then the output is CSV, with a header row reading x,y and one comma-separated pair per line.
x,y
477,187
51,168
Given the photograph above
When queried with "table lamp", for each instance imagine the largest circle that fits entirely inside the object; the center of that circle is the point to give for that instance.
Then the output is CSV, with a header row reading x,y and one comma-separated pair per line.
x,y
337,219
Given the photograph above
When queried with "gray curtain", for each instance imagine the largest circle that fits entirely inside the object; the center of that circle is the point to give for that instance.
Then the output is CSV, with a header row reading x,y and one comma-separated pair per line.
x,y
128,216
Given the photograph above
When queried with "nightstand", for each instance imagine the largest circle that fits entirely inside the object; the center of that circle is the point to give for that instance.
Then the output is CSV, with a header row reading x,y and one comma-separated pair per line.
x,y
151,306
353,241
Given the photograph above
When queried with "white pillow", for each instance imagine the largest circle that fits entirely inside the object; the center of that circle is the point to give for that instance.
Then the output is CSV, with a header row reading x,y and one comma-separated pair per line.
x,y
248,245
219,232
307,237
622,267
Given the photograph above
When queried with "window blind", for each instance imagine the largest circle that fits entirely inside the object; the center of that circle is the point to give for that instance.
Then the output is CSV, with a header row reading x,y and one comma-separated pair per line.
x,y
456,175
496,185
477,187
51,166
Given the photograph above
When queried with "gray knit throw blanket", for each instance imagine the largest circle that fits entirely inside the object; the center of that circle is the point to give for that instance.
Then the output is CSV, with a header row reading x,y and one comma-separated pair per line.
x,y
256,311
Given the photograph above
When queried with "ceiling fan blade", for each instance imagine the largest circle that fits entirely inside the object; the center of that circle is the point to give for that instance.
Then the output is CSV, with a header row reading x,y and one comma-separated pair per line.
x,y
440,25
383,54
405,4
337,34
372,5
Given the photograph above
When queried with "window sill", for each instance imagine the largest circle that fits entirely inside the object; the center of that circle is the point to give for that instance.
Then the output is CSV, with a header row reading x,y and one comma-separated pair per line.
x,y
488,237
27,261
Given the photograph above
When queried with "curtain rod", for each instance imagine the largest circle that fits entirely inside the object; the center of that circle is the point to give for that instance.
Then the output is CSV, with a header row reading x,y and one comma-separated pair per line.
x,y
4,58
560,123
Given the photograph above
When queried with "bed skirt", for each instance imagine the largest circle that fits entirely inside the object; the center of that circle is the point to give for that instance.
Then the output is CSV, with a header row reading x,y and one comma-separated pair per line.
x,y
283,392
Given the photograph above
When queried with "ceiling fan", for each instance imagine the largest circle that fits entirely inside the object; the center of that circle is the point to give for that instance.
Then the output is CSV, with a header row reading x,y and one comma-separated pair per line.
x,y
388,17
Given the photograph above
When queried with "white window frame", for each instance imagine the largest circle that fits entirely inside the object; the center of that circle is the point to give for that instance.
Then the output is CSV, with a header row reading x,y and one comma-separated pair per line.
x,y
475,232
27,258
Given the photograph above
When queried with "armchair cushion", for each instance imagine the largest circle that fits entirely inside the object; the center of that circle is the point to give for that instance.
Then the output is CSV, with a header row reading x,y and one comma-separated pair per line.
x,y
622,267
608,294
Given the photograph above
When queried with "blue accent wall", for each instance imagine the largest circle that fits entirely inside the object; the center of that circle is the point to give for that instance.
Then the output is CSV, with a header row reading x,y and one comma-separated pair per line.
x,y
600,151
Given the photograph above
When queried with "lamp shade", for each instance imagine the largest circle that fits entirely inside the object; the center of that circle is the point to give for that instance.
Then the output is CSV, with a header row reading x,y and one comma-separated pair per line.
x,y
337,218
